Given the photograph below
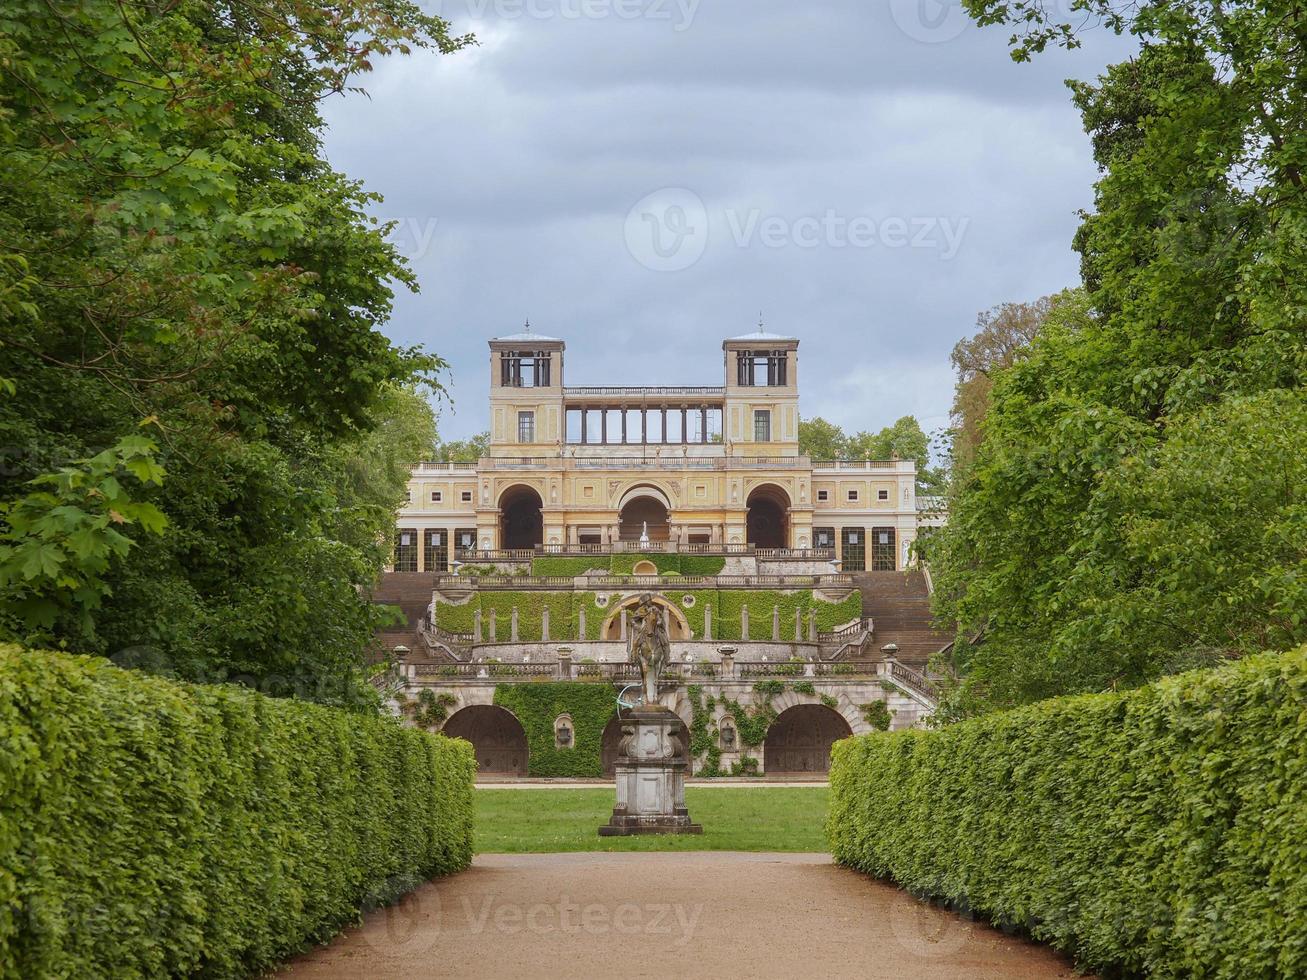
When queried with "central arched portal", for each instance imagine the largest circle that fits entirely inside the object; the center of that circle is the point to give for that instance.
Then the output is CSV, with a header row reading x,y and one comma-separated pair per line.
x,y
497,738
644,513
520,522
799,741
678,626
768,521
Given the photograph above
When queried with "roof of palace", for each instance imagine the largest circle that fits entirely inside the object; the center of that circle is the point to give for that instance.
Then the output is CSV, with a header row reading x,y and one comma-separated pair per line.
x,y
529,337
761,335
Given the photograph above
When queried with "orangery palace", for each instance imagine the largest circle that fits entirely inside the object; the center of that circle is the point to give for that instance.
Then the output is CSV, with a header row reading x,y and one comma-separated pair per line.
x,y
788,584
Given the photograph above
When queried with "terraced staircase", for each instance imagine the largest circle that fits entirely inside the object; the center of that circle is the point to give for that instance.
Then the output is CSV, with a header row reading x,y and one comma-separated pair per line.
x,y
411,592
899,606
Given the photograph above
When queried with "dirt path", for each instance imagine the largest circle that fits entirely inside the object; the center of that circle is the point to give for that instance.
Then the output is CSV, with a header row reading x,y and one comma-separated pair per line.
x,y
696,914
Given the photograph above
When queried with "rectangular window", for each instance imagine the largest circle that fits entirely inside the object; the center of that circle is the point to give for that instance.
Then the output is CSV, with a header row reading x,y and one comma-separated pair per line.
x,y
762,425
823,537
674,421
593,426
574,425
465,496
437,496
882,495
406,550
823,495
883,551
408,496
853,550
526,426
435,551
853,495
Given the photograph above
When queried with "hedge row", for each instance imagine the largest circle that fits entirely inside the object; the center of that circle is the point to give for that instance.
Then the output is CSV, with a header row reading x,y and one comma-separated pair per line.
x,y
564,612
624,564
152,828
1161,831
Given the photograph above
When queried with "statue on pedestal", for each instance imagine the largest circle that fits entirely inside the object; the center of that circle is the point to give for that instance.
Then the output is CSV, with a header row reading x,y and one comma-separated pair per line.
x,y
650,767
648,645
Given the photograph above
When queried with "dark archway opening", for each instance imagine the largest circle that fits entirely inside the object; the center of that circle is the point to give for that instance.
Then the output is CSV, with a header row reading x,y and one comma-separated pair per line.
x,y
799,741
520,523
768,518
612,741
497,738
640,513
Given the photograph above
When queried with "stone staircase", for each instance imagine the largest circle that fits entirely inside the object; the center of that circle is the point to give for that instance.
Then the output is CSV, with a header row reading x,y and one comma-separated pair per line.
x,y
899,606
411,592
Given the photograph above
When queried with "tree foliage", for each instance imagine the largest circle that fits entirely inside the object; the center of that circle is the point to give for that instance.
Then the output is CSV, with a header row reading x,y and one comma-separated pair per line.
x,y
1002,334
176,249
464,450
823,440
1136,505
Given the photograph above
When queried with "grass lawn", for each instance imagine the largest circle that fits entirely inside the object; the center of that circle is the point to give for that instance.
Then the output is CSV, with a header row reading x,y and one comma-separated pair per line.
x,y
518,821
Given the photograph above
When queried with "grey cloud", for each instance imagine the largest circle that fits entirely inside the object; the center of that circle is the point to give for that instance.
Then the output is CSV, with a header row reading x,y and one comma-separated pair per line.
x,y
513,167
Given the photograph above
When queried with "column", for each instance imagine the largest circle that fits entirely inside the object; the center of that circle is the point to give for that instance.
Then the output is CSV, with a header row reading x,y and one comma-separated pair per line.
x,y
621,629
492,624
544,624
798,625
476,626
707,621
512,625
580,624
744,623
775,623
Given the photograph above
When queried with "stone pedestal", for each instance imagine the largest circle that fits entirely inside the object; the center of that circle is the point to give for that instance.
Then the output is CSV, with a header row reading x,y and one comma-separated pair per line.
x,y
650,776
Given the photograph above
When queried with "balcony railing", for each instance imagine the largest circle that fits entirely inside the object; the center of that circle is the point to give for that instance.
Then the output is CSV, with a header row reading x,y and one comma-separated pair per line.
x,y
696,391
501,583
650,548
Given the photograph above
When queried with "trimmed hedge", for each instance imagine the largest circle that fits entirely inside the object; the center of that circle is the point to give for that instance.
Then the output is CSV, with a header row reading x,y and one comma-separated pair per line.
x,y
1162,831
538,705
151,828
624,564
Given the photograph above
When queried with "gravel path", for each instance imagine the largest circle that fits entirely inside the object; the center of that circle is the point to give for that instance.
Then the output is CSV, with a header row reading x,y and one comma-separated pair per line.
x,y
695,914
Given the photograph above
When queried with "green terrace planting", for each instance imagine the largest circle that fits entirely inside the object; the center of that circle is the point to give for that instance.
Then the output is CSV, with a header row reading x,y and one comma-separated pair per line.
x,y
152,828
536,706
565,606
624,564
1158,832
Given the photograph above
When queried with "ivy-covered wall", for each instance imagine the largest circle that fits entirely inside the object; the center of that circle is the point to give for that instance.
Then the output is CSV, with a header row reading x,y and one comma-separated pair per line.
x,y
564,611
538,705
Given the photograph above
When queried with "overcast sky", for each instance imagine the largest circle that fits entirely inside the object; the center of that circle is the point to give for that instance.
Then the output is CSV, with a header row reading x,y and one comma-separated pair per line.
x,y
644,177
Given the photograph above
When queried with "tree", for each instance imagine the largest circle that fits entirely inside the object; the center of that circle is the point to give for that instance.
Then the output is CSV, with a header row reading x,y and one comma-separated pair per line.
x,y
821,440
1003,333
464,450
178,251
1106,532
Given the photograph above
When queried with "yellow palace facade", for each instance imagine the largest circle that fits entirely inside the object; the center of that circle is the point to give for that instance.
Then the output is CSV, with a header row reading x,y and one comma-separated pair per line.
x,y
712,469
